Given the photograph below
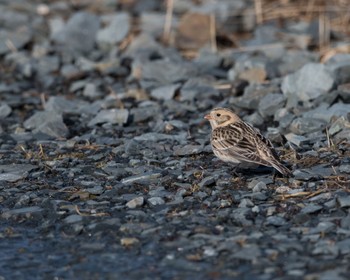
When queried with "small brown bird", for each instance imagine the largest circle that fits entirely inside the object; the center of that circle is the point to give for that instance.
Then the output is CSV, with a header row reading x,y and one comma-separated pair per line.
x,y
236,141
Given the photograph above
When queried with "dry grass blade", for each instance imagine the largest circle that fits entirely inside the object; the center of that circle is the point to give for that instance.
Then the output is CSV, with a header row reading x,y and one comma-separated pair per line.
x,y
168,19
297,194
213,33
258,11
89,215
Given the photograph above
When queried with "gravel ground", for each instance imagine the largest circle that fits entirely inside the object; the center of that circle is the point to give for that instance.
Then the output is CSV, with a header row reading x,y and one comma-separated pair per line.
x,y
106,166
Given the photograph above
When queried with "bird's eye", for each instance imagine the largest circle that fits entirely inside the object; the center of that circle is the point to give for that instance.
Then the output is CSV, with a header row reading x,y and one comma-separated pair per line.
x,y
218,115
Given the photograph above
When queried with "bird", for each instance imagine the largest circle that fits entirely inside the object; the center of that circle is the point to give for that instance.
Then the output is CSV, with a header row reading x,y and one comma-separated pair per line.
x,y
234,140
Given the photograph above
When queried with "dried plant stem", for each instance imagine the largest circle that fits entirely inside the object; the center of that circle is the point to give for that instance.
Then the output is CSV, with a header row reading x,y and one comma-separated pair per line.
x,y
168,20
258,11
213,33
324,32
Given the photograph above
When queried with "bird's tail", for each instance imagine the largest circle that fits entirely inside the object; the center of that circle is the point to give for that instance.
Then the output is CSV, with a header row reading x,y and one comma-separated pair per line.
x,y
281,168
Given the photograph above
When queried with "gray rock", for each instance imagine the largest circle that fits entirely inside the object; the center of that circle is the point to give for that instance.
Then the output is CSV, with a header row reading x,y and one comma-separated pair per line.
x,y
155,137
275,221
188,150
79,33
47,64
137,201
97,190
324,112
344,201
14,40
70,71
311,208
11,19
297,140
343,91
15,172
207,181
252,95
91,91
324,247
49,123
307,125
340,128
344,246
339,64
308,83
21,211
144,113
141,46
345,222
323,227
249,253
156,201
308,174
197,88
60,105
145,176
5,110
257,186
240,216
294,60
118,26
254,119
345,168
164,72
72,219
153,23
246,202
112,116
270,103
165,92
255,65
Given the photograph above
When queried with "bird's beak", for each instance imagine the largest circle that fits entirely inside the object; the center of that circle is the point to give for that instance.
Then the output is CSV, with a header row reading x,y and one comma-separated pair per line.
x,y
208,117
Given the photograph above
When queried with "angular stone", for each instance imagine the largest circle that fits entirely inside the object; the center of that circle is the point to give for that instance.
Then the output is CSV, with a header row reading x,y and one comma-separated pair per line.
x,y
72,219
270,103
311,81
275,221
246,202
249,253
118,26
15,172
5,110
78,34
60,105
311,208
207,181
21,211
49,123
164,72
188,150
297,140
14,40
144,113
156,201
165,92
344,201
112,116
306,125
137,201
324,112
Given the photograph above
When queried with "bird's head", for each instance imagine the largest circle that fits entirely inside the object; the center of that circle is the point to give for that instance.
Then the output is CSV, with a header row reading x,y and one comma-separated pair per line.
x,y
221,117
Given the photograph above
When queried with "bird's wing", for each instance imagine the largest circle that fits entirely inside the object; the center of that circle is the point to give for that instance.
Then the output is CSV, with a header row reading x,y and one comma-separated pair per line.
x,y
239,141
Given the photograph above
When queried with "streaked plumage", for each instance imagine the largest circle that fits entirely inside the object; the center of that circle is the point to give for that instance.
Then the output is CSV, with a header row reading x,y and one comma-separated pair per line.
x,y
236,141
